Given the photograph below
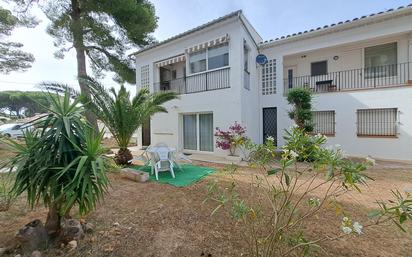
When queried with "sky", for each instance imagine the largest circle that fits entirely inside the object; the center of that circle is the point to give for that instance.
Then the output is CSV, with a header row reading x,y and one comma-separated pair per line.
x,y
271,19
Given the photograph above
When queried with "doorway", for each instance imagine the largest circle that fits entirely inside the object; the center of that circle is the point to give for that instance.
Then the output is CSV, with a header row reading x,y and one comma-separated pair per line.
x,y
146,140
270,123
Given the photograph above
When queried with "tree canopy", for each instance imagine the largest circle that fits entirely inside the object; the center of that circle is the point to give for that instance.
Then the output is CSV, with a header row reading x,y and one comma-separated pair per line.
x,y
103,30
101,33
20,102
12,58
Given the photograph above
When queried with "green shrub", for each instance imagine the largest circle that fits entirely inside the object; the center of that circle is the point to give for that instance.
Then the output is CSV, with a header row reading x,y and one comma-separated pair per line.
x,y
288,195
300,99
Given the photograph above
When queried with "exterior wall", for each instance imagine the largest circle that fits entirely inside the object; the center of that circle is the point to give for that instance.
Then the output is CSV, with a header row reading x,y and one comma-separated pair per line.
x,y
250,97
224,103
245,106
351,56
345,106
348,45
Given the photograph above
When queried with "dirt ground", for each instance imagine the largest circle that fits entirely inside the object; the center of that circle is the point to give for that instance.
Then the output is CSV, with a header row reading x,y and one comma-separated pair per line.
x,y
162,220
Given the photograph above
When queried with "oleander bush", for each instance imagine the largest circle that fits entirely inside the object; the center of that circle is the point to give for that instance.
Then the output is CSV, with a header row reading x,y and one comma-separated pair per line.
x,y
288,192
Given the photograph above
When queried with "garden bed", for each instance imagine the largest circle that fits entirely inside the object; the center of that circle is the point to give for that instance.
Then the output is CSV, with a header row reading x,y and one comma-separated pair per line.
x,y
152,219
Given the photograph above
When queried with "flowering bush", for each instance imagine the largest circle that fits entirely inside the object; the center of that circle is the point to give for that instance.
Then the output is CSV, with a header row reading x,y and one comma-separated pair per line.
x,y
292,190
231,139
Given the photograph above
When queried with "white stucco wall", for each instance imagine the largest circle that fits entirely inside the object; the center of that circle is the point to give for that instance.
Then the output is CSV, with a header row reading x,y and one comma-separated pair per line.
x,y
245,106
225,104
349,46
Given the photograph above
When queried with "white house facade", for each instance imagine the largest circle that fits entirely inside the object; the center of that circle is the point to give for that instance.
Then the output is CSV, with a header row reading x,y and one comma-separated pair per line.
x,y
360,72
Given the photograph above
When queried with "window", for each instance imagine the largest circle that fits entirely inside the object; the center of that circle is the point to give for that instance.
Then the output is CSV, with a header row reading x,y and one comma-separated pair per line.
x,y
269,78
290,78
381,60
246,73
218,56
144,76
377,122
324,122
209,59
190,132
197,61
319,68
206,132
198,132
245,58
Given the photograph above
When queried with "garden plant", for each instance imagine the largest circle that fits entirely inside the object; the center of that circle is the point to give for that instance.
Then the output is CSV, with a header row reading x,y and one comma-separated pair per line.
x,y
231,139
288,193
61,164
121,113
301,113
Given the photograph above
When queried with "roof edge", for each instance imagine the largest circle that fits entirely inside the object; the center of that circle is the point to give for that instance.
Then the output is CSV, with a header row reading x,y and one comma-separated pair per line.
x,y
236,13
342,25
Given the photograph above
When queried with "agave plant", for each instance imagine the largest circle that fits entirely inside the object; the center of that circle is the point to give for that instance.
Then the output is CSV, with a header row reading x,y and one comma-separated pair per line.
x,y
61,163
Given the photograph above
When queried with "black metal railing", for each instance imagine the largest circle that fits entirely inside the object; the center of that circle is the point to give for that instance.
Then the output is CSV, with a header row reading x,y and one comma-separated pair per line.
x,y
205,81
364,78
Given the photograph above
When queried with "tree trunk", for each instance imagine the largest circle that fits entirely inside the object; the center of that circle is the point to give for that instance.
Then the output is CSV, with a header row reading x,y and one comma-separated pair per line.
x,y
52,225
78,43
123,157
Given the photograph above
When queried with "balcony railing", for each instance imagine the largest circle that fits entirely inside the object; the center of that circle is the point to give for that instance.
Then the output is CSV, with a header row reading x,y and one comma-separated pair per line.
x,y
205,81
365,78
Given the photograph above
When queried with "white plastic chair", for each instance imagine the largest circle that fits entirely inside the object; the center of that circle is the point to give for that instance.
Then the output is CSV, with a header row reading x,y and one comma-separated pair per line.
x,y
143,157
161,144
177,156
161,161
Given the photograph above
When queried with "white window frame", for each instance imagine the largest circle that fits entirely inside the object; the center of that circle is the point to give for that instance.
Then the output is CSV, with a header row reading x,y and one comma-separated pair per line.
x,y
370,73
197,133
207,60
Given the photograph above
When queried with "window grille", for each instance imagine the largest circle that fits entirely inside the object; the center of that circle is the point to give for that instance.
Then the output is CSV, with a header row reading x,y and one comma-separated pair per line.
x,y
377,122
144,76
324,122
269,78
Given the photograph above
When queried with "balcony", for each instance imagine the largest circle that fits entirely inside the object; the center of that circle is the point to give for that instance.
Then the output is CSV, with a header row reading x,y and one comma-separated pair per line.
x,y
200,82
356,79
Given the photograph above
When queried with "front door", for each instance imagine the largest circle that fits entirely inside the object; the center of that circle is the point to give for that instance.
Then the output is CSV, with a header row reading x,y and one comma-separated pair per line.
x,y
270,123
289,73
146,134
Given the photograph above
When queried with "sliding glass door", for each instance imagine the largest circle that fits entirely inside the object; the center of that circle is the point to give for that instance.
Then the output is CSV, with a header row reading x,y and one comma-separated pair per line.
x,y
190,132
206,132
198,132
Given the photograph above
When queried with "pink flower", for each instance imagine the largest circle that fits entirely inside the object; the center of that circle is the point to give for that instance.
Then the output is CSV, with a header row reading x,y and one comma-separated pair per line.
x,y
226,140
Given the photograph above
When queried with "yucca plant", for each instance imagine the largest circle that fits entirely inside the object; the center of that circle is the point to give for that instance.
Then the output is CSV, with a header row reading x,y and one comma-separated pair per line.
x,y
61,163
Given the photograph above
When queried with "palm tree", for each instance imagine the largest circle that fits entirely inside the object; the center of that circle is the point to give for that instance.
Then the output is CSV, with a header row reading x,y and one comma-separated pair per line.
x,y
122,114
